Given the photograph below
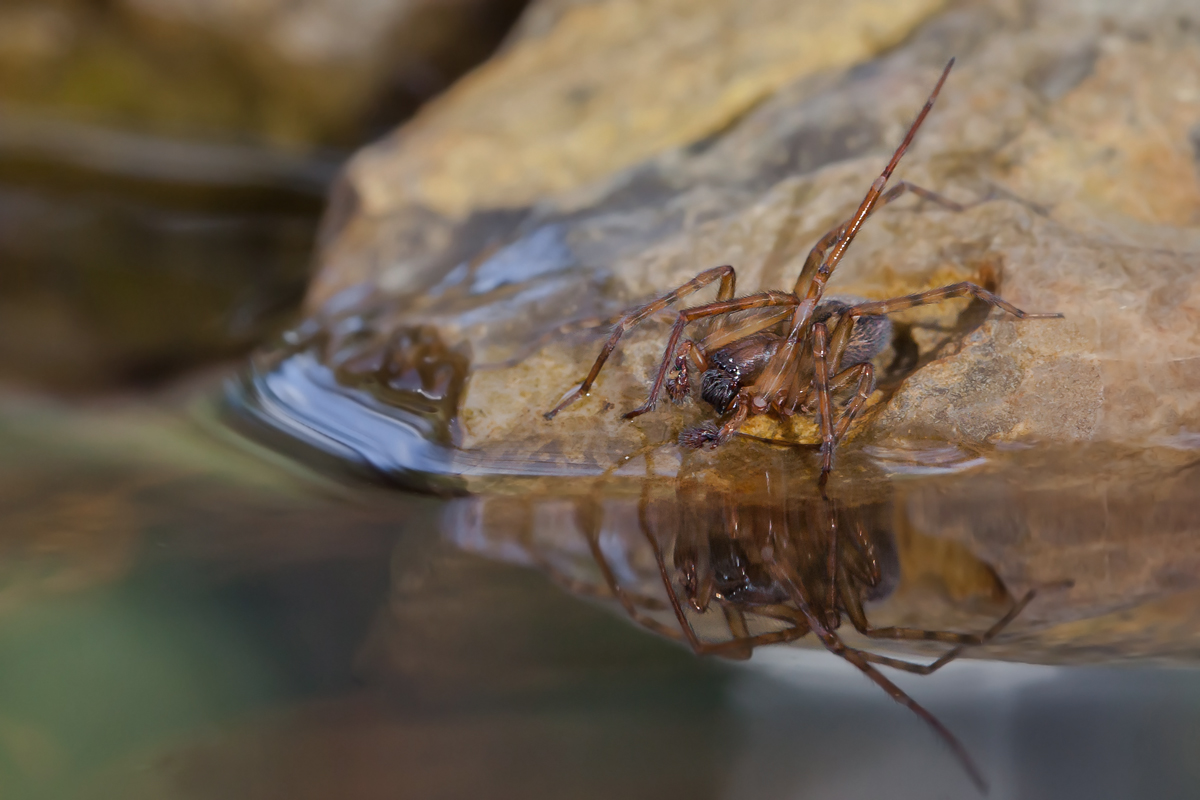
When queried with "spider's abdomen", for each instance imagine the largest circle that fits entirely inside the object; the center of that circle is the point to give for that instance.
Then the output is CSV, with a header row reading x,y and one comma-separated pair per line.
x,y
871,335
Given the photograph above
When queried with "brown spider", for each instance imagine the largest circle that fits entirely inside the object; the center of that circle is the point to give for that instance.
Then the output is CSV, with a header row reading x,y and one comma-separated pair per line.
x,y
825,347
796,567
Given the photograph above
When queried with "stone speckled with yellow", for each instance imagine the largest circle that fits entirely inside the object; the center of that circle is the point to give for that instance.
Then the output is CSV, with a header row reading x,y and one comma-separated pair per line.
x,y
611,84
1077,123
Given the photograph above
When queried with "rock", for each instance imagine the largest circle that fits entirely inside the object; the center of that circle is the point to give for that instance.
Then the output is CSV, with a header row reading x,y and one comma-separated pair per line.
x,y
569,103
521,202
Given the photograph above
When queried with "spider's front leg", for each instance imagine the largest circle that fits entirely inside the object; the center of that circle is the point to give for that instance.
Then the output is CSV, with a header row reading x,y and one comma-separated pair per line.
x,y
766,299
725,274
690,354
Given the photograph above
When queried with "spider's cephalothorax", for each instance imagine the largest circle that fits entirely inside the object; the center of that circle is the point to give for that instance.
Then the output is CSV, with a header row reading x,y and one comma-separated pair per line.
x,y
740,580
739,364
794,352
734,366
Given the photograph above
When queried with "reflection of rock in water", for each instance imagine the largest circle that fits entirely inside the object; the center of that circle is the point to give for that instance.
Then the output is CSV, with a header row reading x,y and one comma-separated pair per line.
x,y
761,558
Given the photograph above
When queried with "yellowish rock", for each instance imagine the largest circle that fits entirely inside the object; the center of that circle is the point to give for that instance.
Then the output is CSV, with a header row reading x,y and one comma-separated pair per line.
x,y
611,84
1069,132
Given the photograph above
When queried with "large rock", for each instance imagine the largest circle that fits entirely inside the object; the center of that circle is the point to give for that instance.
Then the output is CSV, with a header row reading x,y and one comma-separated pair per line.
x,y
577,176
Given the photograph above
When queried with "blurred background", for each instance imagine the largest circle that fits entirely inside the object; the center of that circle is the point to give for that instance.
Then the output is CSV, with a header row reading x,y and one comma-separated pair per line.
x,y
163,165
185,614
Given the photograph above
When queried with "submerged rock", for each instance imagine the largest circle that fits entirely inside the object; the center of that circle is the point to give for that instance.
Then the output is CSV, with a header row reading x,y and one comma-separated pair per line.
x,y
516,215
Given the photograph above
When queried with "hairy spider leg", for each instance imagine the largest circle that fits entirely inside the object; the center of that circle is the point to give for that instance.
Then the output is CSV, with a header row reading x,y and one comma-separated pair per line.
x,y
865,375
836,234
725,291
829,263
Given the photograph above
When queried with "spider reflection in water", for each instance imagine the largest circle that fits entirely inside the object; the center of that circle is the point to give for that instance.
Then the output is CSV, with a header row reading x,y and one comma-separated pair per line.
x,y
778,570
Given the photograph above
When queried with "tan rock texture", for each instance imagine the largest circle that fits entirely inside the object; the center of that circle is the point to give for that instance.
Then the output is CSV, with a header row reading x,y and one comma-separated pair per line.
x,y
608,157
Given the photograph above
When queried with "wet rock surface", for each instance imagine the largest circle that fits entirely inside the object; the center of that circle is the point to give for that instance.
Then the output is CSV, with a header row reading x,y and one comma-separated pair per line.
x,y
1066,130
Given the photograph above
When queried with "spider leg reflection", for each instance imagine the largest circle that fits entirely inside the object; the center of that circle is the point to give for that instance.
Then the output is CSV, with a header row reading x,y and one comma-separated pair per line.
x,y
778,567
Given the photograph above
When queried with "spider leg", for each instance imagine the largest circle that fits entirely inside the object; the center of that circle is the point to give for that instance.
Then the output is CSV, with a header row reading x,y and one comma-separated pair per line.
x,y
830,249
834,235
816,256
963,289
824,258
801,389
865,374
715,340
820,350
761,300
725,274
858,618
902,187
589,522
688,354
862,661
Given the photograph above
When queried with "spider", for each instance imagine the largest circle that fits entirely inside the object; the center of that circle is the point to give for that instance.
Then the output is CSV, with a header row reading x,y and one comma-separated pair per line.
x,y
755,366
798,566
